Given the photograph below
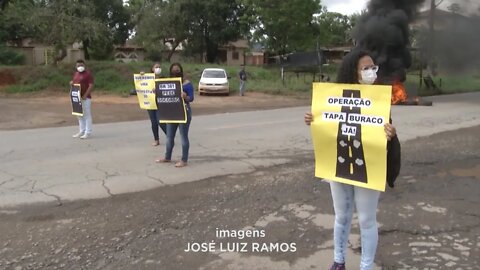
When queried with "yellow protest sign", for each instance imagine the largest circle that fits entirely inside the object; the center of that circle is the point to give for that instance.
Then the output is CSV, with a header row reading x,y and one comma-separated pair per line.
x,y
145,88
348,134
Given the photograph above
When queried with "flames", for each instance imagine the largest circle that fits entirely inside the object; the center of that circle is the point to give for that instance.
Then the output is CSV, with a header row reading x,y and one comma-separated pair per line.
x,y
399,94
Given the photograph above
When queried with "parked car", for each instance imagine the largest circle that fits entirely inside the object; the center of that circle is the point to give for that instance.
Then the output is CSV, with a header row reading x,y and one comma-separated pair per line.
x,y
214,81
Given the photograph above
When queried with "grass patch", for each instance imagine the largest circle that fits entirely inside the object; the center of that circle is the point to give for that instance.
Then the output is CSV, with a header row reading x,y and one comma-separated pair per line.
x,y
26,88
460,83
117,78
448,83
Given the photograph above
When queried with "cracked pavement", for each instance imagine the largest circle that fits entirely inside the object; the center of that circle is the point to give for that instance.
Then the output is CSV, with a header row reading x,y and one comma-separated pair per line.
x,y
240,175
47,165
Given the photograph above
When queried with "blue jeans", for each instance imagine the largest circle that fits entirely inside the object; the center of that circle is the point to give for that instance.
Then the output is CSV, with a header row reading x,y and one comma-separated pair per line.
x,y
366,201
85,121
242,87
153,115
171,132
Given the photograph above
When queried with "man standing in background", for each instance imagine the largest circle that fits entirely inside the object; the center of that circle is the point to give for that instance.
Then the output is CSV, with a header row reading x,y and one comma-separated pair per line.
x,y
243,80
85,79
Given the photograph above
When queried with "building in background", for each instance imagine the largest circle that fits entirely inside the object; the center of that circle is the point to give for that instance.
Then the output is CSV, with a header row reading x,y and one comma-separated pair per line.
x,y
129,53
41,54
233,53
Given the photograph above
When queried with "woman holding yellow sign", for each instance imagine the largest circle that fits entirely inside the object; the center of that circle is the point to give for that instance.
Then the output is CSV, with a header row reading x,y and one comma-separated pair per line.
x,y
153,114
357,67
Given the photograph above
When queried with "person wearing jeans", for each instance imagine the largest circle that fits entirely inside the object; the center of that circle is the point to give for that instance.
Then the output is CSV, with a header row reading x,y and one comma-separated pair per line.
x,y
176,70
345,197
85,121
85,79
153,114
154,120
242,75
172,130
357,68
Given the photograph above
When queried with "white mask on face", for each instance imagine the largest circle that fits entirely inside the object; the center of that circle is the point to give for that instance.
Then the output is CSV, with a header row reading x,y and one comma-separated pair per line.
x,y
157,70
81,69
368,76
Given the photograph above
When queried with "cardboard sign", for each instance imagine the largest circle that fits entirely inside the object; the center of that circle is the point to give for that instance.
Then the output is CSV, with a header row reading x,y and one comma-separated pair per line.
x,y
348,133
76,99
170,104
144,86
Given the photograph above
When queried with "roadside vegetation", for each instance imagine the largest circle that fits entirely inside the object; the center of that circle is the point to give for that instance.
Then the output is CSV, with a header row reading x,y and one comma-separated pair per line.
x,y
117,78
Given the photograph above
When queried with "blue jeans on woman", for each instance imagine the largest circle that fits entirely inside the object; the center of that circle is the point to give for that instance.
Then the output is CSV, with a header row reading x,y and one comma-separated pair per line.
x,y
171,132
154,119
366,201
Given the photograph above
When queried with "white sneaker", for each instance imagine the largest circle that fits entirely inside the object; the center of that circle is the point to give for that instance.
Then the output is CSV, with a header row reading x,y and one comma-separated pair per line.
x,y
76,135
84,136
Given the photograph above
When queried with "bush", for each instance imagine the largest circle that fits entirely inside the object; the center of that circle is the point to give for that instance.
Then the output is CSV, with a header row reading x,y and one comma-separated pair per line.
x,y
20,88
117,78
11,57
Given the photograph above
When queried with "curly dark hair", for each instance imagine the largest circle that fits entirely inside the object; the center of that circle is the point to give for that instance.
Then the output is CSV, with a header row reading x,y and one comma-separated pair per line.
x,y
178,65
348,69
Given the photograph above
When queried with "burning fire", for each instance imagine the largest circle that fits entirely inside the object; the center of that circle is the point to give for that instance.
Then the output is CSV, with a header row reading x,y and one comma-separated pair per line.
x,y
399,94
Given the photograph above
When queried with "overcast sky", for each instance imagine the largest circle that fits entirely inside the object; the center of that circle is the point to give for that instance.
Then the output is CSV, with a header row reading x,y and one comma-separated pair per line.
x,y
346,7
355,6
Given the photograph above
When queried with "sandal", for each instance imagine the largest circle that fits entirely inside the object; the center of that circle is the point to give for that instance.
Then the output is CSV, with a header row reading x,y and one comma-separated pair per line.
x,y
155,143
162,160
180,164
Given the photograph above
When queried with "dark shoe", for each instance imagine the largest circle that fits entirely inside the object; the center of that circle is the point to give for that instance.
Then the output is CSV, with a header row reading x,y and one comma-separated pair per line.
x,y
338,266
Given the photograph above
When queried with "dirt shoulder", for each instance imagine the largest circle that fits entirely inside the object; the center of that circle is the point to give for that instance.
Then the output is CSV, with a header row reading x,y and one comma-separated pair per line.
x,y
54,110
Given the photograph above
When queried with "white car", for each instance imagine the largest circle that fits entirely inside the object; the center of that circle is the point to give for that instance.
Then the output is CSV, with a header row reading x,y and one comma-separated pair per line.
x,y
214,81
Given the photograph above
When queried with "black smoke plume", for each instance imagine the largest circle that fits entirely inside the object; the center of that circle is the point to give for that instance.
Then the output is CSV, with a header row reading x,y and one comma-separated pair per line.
x,y
383,30
456,43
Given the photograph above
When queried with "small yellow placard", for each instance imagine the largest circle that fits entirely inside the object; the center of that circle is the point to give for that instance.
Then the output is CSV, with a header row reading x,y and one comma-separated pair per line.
x,y
145,88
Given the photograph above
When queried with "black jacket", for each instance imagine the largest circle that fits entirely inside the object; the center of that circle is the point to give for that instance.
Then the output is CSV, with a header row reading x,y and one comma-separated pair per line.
x,y
393,160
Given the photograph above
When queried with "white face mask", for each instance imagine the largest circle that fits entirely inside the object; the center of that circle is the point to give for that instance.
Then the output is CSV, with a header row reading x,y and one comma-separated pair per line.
x,y
81,69
157,70
368,76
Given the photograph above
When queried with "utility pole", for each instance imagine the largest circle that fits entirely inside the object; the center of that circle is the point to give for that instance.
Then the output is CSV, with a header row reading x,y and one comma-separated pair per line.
x,y
431,32
319,59
431,27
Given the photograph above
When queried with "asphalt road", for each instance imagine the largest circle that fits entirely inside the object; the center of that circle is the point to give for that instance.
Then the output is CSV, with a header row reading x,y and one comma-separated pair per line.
x,y
249,171
48,165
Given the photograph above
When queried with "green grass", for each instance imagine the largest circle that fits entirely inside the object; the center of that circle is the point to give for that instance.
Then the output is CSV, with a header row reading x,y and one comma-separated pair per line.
x,y
448,83
116,78
33,87
460,83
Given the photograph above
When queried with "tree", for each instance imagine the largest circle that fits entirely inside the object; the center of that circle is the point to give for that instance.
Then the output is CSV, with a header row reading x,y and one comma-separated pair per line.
x,y
16,22
333,28
285,26
213,23
158,22
202,25
98,23
61,23
3,4
116,19
15,26
431,32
